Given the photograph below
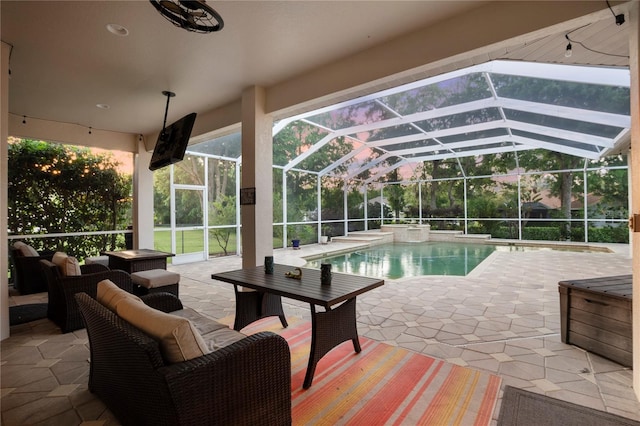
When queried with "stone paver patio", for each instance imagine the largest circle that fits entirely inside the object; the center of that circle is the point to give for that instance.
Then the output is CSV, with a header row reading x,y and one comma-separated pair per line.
x,y
504,318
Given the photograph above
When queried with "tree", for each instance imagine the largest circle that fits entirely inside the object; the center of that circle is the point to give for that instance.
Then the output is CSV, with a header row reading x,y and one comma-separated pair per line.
x,y
224,211
56,188
395,194
563,185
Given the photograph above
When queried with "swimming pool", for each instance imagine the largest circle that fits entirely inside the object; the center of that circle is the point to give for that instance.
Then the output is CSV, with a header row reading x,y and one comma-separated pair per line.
x,y
401,260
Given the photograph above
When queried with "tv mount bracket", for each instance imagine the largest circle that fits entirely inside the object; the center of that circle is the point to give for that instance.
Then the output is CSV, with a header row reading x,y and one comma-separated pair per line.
x,y
169,95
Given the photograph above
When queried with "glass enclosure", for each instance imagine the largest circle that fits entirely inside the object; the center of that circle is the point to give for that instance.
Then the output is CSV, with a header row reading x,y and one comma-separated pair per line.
x,y
509,149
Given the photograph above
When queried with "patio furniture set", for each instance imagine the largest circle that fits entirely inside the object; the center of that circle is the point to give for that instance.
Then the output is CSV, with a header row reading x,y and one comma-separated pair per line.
x,y
143,341
136,271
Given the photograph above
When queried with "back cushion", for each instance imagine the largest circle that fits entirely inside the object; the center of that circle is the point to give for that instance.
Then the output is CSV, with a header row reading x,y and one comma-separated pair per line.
x,y
178,338
68,265
25,249
110,295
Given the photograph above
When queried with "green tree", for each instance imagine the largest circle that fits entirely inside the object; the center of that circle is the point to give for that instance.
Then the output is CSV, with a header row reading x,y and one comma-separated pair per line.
x,y
395,194
224,209
56,188
561,187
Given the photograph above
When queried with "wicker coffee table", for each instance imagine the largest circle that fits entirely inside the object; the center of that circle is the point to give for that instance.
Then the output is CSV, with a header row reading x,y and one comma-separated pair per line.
x,y
335,325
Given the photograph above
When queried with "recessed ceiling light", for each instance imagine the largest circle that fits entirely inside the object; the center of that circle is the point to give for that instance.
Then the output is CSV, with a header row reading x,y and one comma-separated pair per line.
x,y
103,106
118,30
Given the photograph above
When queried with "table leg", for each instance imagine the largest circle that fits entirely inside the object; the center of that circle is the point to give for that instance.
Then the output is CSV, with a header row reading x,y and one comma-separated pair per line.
x,y
328,330
254,305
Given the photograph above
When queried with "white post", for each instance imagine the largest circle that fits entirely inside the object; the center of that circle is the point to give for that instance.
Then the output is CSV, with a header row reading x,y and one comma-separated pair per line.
x,y
4,185
257,156
319,206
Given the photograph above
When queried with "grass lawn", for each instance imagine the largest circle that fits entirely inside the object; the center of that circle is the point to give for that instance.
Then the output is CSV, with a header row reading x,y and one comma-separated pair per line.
x,y
191,242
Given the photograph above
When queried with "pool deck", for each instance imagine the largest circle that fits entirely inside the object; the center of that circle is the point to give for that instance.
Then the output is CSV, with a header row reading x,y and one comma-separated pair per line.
x,y
503,318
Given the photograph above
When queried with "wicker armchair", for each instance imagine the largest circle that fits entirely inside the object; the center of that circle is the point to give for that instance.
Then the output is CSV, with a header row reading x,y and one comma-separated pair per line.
x,y
63,308
27,274
245,383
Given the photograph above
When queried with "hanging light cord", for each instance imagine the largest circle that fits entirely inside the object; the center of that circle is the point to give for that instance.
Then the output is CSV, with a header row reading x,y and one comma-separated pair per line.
x,y
588,48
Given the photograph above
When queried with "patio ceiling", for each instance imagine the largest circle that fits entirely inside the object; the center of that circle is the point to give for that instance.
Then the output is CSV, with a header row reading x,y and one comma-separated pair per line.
x,y
491,108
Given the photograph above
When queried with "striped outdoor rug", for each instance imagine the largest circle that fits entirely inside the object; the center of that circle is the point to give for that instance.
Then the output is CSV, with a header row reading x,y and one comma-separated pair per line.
x,y
383,385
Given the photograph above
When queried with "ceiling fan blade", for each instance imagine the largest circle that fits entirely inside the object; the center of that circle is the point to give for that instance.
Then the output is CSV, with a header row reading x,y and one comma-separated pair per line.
x,y
169,5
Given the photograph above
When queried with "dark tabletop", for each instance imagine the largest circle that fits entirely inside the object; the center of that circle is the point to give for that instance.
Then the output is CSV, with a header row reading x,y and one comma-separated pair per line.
x,y
138,254
308,289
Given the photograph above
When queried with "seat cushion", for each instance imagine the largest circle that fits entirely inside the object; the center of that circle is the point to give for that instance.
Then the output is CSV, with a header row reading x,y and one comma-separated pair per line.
x,y
25,249
153,278
203,324
221,338
110,295
178,338
216,335
68,265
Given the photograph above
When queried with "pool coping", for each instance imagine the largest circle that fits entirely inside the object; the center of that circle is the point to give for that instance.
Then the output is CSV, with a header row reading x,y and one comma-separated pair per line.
x,y
343,245
557,245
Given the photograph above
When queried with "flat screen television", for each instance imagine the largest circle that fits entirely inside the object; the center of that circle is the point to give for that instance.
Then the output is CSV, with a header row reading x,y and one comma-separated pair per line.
x,y
172,142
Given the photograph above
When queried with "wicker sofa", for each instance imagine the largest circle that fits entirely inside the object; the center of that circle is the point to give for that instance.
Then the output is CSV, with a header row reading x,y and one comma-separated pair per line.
x,y
246,381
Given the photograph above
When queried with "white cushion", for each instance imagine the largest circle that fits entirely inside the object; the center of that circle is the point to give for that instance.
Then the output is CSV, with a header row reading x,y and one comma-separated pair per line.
x,y
153,278
110,295
179,340
25,249
203,324
69,265
221,338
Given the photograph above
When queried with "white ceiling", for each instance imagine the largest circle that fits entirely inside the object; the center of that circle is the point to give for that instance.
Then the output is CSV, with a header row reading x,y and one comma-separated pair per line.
x,y
64,61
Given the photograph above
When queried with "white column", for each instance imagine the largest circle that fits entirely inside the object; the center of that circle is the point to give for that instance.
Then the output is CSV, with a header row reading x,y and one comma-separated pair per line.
x,y
4,186
319,204
142,199
257,156
634,65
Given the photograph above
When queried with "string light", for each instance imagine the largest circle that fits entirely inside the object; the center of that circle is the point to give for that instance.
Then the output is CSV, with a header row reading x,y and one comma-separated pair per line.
x,y
568,51
24,119
89,130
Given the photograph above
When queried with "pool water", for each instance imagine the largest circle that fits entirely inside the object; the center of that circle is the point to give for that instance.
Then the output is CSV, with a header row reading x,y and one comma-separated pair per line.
x,y
402,260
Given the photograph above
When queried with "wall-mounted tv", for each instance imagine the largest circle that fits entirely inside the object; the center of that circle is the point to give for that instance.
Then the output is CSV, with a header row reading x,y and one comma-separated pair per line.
x,y
172,142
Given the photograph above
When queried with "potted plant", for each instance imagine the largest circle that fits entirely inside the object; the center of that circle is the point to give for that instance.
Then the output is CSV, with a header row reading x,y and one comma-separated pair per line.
x,y
295,243
326,233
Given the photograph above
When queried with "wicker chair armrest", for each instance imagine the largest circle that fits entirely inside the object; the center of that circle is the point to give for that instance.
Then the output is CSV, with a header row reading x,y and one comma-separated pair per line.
x,y
30,261
29,276
93,268
165,302
89,283
248,382
46,254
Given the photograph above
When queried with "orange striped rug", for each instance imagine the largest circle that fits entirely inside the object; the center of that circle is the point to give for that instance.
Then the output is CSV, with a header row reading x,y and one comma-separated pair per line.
x,y
382,385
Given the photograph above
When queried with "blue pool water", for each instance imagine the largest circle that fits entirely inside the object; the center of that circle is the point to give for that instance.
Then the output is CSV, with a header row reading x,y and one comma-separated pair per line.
x,y
403,260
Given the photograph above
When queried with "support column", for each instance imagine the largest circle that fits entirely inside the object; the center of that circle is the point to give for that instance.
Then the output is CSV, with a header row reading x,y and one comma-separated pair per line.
x,y
634,67
142,199
257,162
4,186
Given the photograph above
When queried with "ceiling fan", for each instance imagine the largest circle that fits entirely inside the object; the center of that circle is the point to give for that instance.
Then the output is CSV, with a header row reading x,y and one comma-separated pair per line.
x,y
194,15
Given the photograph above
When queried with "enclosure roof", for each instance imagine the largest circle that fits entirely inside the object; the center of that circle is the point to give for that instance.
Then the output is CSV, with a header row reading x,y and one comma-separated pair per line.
x,y
492,108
